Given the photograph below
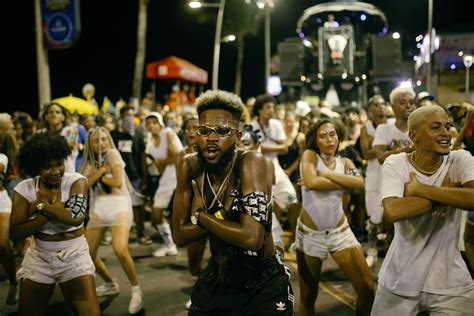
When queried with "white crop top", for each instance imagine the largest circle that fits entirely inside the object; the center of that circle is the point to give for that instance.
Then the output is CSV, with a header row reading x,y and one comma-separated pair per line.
x,y
324,207
27,189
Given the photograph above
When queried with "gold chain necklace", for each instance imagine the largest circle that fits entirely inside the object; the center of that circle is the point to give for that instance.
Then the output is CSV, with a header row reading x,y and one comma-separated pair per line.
x,y
412,160
221,189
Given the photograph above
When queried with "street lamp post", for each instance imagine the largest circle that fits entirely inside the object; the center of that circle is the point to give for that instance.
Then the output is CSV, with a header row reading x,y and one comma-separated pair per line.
x,y
467,59
267,5
217,37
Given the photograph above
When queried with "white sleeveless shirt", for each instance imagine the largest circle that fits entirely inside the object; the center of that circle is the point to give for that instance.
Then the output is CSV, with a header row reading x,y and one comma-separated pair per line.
x,y
324,207
27,189
168,177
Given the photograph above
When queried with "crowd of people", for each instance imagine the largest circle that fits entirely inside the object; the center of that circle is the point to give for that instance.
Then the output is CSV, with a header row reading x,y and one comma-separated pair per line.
x,y
396,174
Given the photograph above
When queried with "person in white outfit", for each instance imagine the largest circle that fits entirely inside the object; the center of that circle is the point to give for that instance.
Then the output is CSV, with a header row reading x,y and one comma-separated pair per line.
x,y
393,138
52,207
373,181
8,148
322,227
111,206
273,142
423,194
163,145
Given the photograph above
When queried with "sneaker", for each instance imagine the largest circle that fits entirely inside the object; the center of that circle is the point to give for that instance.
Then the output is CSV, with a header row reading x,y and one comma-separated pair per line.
x,y
107,240
188,304
108,288
165,251
372,257
11,297
145,240
136,302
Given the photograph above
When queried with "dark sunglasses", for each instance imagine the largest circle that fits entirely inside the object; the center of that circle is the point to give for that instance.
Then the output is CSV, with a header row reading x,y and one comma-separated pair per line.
x,y
221,131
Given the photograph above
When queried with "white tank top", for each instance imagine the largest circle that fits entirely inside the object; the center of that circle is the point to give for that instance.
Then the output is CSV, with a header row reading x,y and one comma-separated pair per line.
x,y
373,172
324,207
27,189
168,177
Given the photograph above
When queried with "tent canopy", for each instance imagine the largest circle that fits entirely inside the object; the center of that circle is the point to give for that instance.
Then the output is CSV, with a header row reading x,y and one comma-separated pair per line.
x,y
332,7
175,68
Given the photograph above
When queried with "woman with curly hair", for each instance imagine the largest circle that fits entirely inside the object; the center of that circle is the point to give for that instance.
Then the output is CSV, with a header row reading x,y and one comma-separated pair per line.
x,y
52,206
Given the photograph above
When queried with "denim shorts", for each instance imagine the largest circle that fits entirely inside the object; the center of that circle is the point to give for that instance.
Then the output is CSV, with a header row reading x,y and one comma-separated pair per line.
x,y
56,261
319,243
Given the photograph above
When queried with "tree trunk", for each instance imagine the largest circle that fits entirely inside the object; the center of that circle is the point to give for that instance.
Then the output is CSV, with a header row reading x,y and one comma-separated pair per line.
x,y
238,69
141,46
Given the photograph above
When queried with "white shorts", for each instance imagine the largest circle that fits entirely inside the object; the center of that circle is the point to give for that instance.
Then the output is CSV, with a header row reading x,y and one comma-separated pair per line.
x,y
5,202
320,243
48,262
389,304
162,198
284,193
373,205
110,210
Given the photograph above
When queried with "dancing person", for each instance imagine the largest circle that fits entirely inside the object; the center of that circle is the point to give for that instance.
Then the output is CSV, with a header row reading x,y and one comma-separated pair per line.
x,y
273,142
195,250
322,227
225,193
373,182
290,163
163,146
8,153
392,139
129,141
52,206
423,194
111,206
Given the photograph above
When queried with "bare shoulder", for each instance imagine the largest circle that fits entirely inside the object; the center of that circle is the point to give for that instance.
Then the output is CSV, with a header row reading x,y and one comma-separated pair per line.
x,y
250,157
189,165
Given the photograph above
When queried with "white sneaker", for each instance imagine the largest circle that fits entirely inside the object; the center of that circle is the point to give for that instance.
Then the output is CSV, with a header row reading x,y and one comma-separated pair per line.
x,y
108,288
165,251
188,304
372,257
136,302
11,297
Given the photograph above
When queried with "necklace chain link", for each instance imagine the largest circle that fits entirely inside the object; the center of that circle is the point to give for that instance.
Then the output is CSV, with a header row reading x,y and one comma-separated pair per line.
x,y
412,160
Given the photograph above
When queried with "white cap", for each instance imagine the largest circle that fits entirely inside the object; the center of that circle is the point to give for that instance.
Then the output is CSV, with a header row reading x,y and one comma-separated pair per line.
x,y
157,116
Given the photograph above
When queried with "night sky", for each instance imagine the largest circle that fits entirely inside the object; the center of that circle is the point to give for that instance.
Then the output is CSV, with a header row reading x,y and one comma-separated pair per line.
x,y
105,51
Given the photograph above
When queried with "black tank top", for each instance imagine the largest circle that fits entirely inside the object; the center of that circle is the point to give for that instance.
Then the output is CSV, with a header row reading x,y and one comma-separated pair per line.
x,y
286,160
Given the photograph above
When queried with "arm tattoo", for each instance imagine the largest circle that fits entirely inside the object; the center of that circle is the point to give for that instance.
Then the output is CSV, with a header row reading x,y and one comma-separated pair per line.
x,y
79,205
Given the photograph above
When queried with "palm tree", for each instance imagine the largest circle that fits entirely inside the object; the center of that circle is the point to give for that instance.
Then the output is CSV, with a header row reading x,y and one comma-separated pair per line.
x,y
141,48
241,19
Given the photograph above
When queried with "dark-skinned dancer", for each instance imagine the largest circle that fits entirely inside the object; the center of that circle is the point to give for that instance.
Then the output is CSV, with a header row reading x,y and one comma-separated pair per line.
x,y
224,195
